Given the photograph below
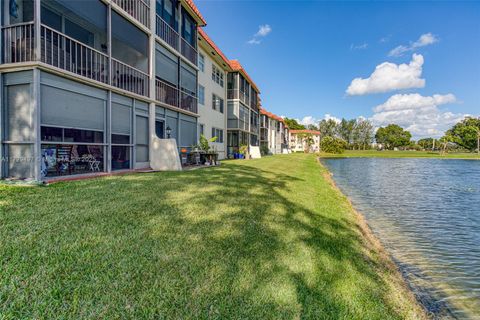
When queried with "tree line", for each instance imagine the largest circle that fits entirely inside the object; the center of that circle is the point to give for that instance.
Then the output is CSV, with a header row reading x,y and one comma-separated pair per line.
x,y
359,134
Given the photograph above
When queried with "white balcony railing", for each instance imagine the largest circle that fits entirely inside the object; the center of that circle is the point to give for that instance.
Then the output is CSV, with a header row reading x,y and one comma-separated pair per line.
x,y
189,52
128,78
188,102
18,43
67,53
232,94
166,93
167,33
138,9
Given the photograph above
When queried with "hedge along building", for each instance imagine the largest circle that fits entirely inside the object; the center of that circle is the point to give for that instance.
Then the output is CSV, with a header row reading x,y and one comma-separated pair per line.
x,y
274,133
86,85
212,92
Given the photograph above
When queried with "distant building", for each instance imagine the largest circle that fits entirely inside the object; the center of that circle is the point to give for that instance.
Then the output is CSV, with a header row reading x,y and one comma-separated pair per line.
x,y
274,132
298,140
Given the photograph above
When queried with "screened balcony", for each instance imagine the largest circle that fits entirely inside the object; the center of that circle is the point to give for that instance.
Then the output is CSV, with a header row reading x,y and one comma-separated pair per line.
x,y
18,43
167,33
74,37
138,9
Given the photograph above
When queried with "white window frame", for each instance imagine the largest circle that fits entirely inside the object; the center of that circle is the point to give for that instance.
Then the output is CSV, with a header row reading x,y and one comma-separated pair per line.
x,y
201,62
201,101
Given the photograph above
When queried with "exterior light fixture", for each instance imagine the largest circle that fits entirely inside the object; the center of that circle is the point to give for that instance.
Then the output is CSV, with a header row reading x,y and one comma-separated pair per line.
x,y
169,132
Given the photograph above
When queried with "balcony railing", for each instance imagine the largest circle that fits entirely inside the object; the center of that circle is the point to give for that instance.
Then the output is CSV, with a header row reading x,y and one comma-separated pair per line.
x,y
167,33
166,93
138,9
188,102
66,53
128,78
189,52
18,43
232,94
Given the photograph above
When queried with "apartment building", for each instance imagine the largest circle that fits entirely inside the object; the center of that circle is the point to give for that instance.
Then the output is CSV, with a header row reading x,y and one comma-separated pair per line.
x,y
274,133
243,109
212,92
301,140
87,85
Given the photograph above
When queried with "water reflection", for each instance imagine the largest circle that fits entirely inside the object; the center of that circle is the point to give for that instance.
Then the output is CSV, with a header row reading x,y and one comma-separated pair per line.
x,y
427,214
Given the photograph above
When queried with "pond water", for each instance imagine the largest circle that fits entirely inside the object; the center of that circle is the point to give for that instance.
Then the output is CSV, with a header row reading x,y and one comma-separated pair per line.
x,y
426,212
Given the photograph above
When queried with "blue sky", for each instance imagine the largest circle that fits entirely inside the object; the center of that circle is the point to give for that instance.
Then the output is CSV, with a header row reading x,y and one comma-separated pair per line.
x,y
308,53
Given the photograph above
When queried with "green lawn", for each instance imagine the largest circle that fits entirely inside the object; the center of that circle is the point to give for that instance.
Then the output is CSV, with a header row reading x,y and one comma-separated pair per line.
x,y
400,154
265,239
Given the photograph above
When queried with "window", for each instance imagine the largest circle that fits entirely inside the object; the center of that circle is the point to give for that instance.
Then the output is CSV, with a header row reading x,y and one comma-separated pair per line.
x,y
201,62
84,21
201,94
120,139
217,133
160,129
188,29
217,75
68,151
20,11
201,129
129,43
166,10
217,103
188,79
142,139
166,65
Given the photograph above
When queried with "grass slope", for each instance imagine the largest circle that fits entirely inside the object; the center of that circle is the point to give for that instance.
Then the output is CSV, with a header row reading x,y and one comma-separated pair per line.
x,y
399,154
266,239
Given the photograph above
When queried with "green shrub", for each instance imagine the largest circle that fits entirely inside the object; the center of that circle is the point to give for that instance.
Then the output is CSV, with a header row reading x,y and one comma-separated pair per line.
x,y
264,151
333,145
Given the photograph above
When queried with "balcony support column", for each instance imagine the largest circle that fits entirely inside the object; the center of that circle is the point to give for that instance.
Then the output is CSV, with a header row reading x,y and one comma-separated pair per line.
x,y
36,108
109,40
37,29
151,83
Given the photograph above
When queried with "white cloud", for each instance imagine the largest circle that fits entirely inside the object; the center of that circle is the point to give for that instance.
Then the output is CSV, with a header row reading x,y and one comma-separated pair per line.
x,y
424,40
359,46
312,120
385,39
390,76
308,120
254,41
263,31
330,117
418,114
414,101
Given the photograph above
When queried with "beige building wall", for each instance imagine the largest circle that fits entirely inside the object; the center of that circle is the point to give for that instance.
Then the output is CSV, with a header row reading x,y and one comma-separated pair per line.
x,y
208,117
297,143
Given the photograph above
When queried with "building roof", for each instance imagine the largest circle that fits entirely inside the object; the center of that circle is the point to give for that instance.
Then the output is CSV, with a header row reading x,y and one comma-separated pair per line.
x,y
315,132
273,116
212,44
191,5
236,66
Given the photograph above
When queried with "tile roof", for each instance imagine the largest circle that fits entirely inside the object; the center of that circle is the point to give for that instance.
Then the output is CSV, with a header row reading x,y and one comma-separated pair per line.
x,y
273,116
315,132
236,66
212,44
194,8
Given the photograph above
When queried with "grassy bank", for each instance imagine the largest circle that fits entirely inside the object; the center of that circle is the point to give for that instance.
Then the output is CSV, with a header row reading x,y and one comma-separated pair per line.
x,y
265,239
400,154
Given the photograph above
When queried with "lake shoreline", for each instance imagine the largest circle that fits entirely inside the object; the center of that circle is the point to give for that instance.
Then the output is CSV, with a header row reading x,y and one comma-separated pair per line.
x,y
389,154
396,279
